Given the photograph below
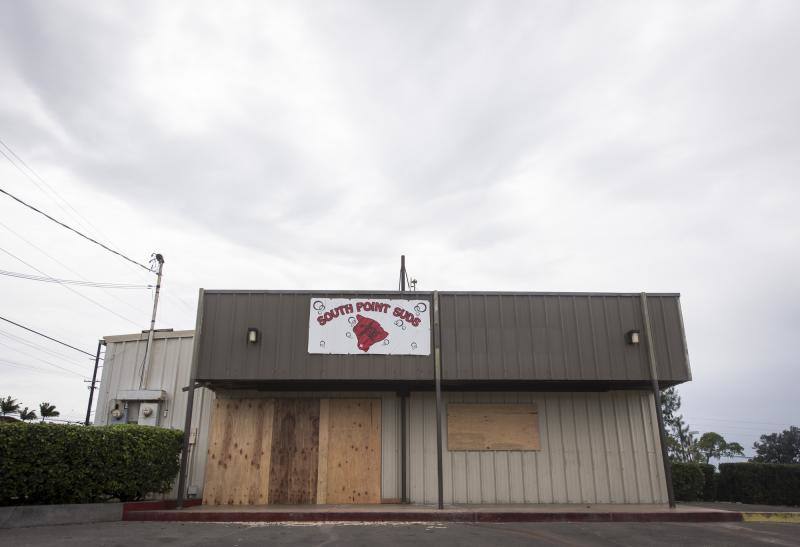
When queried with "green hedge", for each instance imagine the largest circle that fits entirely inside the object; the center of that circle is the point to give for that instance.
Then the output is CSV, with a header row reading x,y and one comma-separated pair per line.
x,y
710,481
767,483
688,481
54,463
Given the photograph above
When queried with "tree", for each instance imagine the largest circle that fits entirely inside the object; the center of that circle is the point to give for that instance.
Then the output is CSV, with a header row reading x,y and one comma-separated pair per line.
x,y
673,422
714,445
48,411
27,416
9,406
783,447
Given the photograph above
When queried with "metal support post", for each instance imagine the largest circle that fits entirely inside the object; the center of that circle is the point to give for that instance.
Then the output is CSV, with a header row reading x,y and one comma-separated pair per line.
x,y
187,424
651,354
437,370
100,344
403,445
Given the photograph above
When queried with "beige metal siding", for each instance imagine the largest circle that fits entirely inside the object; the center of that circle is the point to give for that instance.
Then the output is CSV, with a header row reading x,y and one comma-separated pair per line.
x,y
390,426
169,371
596,448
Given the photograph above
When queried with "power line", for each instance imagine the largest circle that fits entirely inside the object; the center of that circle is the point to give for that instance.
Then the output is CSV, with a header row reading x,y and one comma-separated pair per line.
x,y
74,281
77,214
57,261
45,336
45,361
70,288
33,345
30,171
23,365
70,228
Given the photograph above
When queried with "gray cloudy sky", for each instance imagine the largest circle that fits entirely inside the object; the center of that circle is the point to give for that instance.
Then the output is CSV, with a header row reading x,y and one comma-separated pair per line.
x,y
588,146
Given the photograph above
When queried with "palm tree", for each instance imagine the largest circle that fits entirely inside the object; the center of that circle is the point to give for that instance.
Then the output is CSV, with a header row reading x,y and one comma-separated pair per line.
x,y
27,416
48,411
8,406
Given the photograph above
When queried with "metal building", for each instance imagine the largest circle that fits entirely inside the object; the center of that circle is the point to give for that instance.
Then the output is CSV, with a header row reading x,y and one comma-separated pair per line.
x,y
332,397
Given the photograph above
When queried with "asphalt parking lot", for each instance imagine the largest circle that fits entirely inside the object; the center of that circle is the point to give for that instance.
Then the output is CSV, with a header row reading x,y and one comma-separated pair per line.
x,y
441,534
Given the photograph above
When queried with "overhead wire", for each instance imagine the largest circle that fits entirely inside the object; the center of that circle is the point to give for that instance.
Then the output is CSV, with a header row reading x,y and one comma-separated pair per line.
x,y
32,345
27,354
57,261
29,367
74,281
56,340
77,214
29,173
71,289
26,365
81,234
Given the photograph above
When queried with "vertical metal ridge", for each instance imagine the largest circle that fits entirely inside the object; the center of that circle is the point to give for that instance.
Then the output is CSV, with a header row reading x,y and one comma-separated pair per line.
x,y
578,349
534,362
564,345
608,337
649,446
548,349
593,468
501,349
683,340
516,339
574,412
633,450
671,365
594,337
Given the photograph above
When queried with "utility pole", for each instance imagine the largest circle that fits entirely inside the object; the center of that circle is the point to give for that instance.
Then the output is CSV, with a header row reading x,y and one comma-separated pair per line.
x,y
148,352
100,344
402,273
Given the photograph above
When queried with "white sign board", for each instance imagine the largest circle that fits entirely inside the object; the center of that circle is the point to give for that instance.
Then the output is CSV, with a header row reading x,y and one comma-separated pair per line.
x,y
369,326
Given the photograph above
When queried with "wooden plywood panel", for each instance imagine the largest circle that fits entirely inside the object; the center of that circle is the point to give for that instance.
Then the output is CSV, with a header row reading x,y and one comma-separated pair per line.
x,y
324,430
492,427
239,451
295,451
353,451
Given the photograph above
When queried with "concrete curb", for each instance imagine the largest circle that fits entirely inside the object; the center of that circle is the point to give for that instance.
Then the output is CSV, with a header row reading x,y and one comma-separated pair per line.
x,y
428,516
22,516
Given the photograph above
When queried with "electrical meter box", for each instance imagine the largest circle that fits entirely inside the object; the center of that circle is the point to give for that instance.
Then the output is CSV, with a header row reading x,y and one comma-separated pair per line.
x,y
149,412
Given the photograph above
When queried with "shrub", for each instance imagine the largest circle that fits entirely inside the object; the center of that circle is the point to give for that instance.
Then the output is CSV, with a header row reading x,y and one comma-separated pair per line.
x,y
687,481
767,483
56,463
710,480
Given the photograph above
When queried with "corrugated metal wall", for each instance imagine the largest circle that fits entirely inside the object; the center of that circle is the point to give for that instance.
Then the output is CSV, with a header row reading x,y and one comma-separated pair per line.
x,y
596,448
390,426
485,336
169,370
558,337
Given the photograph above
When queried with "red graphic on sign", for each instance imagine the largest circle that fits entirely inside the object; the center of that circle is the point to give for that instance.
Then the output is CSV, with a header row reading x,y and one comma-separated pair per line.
x,y
368,331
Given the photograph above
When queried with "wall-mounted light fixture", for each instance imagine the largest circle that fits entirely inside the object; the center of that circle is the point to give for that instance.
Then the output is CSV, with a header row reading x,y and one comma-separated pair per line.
x,y
252,335
632,337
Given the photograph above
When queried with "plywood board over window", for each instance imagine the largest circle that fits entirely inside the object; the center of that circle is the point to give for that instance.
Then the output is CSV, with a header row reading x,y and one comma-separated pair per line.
x,y
492,427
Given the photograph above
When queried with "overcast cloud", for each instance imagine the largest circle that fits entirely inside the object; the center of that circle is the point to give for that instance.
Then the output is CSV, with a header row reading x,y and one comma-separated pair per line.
x,y
587,146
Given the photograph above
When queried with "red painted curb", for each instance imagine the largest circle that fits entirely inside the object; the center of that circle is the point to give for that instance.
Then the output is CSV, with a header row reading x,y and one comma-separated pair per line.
x,y
426,516
156,505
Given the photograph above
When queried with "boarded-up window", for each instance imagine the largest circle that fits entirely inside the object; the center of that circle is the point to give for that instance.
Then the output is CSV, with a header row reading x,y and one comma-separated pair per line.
x,y
492,427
